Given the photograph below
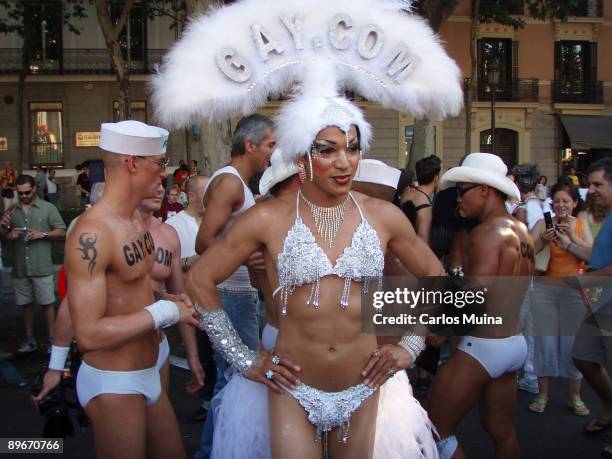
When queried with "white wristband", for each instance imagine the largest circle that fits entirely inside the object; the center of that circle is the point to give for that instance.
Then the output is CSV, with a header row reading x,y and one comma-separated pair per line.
x,y
164,312
58,358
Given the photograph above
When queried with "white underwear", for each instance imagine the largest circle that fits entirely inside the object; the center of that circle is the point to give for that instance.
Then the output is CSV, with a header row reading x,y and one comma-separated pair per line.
x,y
92,382
164,352
497,356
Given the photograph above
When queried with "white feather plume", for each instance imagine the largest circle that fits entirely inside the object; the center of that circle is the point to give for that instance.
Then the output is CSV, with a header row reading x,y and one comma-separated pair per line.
x,y
191,87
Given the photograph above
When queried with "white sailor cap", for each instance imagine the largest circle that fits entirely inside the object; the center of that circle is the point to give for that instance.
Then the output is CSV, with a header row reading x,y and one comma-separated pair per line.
x,y
133,138
374,171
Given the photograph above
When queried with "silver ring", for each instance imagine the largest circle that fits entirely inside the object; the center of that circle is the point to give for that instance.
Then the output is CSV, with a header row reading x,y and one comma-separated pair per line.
x,y
276,360
269,374
376,353
391,372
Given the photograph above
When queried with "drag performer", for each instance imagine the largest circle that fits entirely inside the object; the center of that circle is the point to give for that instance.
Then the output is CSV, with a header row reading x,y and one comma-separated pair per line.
x,y
321,244
483,370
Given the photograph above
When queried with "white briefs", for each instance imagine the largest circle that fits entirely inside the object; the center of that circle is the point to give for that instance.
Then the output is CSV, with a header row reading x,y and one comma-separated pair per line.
x,y
92,382
497,356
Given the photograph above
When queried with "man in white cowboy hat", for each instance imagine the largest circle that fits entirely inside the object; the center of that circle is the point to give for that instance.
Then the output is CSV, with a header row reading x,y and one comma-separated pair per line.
x,y
484,369
116,318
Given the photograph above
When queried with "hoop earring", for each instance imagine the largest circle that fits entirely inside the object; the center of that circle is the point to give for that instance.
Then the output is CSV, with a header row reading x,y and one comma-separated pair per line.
x,y
310,166
302,173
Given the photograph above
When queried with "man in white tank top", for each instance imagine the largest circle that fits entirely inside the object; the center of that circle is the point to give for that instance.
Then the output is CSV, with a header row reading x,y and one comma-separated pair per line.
x,y
226,197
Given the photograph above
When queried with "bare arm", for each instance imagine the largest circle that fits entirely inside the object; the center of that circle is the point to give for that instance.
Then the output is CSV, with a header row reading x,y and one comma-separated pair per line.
x,y
63,333
423,224
222,197
88,256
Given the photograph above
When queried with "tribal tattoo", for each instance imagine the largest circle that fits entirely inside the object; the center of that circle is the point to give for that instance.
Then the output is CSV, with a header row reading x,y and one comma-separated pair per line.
x,y
88,243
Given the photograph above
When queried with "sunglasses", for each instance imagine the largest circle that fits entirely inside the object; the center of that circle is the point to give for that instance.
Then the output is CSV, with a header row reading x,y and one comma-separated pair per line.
x,y
462,191
25,193
163,163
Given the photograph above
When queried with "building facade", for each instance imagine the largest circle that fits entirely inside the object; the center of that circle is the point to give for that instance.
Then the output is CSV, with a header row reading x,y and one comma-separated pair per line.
x,y
551,80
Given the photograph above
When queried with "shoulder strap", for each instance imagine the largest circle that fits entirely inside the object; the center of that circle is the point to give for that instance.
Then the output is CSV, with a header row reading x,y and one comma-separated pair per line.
x,y
426,195
357,204
422,206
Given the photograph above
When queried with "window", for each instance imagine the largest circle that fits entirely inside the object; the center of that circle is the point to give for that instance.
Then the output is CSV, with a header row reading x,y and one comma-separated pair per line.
x,y
46,134
44,36
510,6
133,38
502,52
576,72
137,107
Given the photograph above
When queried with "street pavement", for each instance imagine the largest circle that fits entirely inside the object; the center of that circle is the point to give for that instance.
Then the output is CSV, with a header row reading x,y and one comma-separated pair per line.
x,y
553,434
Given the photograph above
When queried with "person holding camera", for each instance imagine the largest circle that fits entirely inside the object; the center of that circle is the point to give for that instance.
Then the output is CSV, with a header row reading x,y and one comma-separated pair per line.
x,y
557,309
30,226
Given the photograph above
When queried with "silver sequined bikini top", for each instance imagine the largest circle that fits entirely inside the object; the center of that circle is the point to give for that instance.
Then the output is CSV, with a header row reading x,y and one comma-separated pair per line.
x,y
303,261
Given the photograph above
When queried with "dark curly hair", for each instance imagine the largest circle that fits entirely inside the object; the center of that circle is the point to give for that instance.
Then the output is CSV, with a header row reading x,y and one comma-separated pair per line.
x,y
526,176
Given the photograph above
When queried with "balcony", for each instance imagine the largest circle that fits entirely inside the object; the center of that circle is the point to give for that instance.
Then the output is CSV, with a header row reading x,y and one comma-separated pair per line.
x,y
519,90
46,154
571,92
81,61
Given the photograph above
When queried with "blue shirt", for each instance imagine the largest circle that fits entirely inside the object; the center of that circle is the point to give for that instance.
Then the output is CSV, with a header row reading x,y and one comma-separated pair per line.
x,y
601,256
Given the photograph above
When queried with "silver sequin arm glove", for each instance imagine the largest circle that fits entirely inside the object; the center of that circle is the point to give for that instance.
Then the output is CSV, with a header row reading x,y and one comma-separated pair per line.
x,y
414,344
225,339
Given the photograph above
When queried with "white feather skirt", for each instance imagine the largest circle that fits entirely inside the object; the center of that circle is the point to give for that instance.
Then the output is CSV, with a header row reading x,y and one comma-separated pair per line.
x,y
403,430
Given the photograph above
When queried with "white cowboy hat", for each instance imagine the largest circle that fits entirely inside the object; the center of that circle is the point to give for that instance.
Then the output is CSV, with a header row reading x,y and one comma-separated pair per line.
x,y
482,168
279,170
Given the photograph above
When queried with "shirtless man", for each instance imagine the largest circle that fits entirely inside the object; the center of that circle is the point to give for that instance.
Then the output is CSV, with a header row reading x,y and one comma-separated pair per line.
x,y
484,369
109,255
165,276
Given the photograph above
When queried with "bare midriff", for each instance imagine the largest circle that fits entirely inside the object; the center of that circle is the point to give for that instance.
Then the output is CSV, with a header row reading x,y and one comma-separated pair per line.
x,y
327,342
139,352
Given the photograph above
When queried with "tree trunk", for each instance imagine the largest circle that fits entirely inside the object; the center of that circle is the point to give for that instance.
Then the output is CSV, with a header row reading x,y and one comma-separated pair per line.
x,y
111,37
472,87
435,12
23,159
216,138
422,142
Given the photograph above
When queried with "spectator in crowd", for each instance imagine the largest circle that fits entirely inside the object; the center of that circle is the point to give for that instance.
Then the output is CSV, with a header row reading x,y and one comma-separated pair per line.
x,y
593,215
181,174
557,310
418,201
529,211
186,224
41,181
593,351
73,180
541,188
573,177
583,188
8,177
171,206
32,224
83,184
52,195
193,168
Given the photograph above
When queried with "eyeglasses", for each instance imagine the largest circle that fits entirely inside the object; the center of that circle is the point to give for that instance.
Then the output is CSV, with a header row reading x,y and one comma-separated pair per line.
x,y
462,191
25,193
163,163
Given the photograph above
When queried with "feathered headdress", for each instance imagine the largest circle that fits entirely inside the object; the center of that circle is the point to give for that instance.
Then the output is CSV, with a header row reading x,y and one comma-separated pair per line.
x,y
231,60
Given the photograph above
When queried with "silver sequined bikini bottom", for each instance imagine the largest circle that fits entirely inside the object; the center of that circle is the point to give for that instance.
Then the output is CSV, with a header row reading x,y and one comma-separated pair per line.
x,y
327,410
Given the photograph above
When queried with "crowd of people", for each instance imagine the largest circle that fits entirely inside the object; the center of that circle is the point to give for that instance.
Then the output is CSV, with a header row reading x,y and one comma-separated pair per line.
x,y
269,292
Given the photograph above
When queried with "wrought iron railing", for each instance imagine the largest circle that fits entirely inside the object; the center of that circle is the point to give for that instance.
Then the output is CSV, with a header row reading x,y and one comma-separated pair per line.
x,y
519,90
46,154
76,61
574,92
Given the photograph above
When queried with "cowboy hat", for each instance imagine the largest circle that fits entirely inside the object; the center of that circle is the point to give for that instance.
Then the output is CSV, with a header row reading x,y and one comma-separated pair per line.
x,y
481,168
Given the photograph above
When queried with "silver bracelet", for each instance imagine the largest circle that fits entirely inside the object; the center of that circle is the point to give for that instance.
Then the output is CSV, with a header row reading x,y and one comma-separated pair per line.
x,y
414,344
225,340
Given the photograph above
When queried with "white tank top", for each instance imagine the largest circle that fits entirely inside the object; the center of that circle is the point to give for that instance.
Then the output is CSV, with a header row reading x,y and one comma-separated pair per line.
x,y
239,280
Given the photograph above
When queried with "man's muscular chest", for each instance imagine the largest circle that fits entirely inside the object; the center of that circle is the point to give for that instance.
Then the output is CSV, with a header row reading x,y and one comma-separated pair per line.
x,y
134,257
163,263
